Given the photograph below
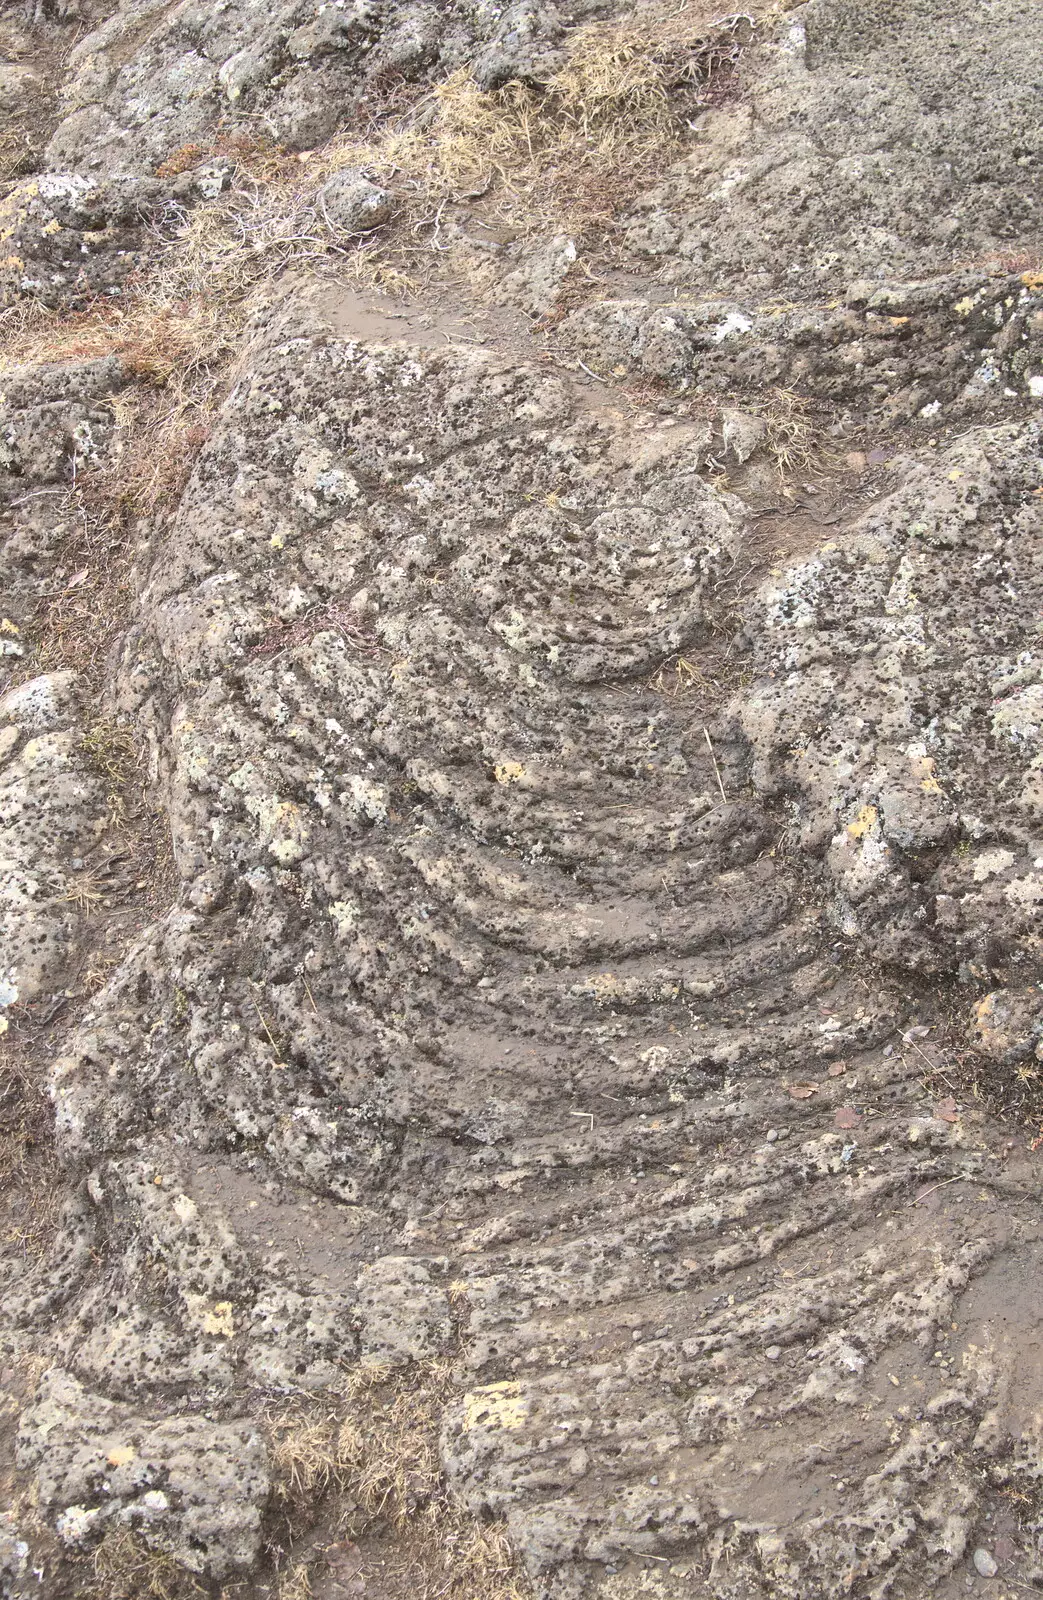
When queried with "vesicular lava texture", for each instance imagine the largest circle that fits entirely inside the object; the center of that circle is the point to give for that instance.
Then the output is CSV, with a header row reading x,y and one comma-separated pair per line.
x,y
517,1013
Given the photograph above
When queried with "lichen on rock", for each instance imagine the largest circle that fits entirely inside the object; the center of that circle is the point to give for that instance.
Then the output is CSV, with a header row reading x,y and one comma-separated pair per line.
x,y
548,1104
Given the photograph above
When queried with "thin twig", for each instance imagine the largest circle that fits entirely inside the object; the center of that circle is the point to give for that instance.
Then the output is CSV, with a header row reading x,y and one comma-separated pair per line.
x,y
933,1066
958,1179
475,194
264,1024
716,768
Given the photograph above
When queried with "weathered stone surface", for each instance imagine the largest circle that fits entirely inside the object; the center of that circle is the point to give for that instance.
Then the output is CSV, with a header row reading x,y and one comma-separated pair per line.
x,y
51,811
895,671
50,421
875,141
404,1310
352,203
535,285
923,350
302,68
412,722
190,1487
582,889
69,237
18,84
301,1341
53,420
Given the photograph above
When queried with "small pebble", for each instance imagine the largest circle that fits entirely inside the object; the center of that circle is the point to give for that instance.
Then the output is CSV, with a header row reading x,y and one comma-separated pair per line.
x,y
771,1135
773,1352
984,1564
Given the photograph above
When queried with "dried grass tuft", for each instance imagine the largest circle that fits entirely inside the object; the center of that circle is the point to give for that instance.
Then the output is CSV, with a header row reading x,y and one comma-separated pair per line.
x,y
573,148
377,1454
306,1454
793,437
678,676
112,751
126,1568
390,1437
294,1583
381,1442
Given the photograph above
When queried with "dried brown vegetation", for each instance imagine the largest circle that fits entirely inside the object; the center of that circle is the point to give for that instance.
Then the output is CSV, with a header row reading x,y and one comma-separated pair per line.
x,y
565,152
370,1463
793,437
113,753
126,1568
1010,1091
363,1472
575,147
25,1142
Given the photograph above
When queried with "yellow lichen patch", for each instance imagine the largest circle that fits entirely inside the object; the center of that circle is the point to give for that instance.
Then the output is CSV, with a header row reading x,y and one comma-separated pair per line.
x,y
964,307
215,1319
864,823
1032,280
497,1405
509,772
219,1320
604,986
121,1455
282,825
924,771
984,1009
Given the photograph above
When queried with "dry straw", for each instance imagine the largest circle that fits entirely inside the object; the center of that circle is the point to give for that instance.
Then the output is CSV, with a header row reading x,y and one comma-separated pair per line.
x,y
371,1464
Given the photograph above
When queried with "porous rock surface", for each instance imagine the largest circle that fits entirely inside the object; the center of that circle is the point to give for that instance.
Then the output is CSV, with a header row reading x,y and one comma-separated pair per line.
x,y
510,1011
532,991
875,140
154,77
895,669
53,421
50,814
193,1488
811,236
70,237
942,347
